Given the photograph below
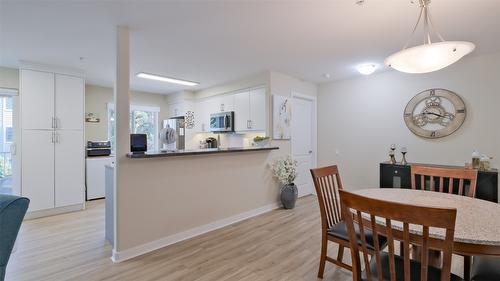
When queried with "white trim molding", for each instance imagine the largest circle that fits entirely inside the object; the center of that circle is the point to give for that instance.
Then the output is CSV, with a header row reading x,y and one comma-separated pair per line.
x,y
54,211
120,256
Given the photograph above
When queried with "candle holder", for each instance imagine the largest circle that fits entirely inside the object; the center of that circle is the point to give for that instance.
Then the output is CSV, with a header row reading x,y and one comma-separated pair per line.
x,y
403,160
391,154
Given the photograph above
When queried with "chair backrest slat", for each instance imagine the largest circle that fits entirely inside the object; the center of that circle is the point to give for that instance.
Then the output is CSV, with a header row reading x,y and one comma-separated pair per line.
x,y
393,220
452,174
406,254
327,184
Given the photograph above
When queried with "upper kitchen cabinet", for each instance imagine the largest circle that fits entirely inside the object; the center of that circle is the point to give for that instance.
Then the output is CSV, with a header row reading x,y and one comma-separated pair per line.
x,y
258,111
242,111
250,110
224,103
37,99
177,109
69,101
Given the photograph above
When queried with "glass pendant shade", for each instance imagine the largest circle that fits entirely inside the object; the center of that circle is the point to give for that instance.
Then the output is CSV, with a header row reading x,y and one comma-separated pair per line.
x,y
429,57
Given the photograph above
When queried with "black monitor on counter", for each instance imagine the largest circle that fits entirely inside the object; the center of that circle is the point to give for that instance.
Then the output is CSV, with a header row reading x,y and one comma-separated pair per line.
x,y
138,143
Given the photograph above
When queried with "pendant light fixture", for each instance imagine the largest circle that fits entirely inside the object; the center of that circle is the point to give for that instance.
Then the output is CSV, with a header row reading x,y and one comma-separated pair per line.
x,y
430,56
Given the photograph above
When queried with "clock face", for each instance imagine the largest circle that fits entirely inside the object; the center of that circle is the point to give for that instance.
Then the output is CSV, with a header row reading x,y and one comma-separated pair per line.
x,y
435,113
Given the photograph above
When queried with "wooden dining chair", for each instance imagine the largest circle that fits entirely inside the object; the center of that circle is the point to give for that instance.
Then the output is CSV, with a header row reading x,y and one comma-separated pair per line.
x,y
441,176
327,183
438,177
396,222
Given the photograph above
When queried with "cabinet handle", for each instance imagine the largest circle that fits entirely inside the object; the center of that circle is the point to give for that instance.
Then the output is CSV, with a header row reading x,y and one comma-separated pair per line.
x,y
52,140
251,124
57,122
53,122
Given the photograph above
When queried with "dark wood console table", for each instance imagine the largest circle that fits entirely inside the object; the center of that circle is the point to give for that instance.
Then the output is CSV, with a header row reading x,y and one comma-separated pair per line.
x,y
399,176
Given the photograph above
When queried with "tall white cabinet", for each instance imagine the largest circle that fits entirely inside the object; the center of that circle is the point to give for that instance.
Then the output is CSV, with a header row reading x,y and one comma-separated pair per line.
x,y
52,123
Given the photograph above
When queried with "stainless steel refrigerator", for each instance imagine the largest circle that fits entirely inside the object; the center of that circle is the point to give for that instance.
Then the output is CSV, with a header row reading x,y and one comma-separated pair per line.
x,y
177,123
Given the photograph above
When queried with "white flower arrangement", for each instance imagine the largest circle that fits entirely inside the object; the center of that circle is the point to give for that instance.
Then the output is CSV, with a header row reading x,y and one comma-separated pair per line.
x,y
285,170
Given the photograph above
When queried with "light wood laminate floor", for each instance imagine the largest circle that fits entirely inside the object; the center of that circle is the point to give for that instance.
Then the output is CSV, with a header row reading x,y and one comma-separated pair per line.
x,y
279,245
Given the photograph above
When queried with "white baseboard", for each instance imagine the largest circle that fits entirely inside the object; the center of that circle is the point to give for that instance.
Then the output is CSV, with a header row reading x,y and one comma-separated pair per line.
x,y
119,256
54,211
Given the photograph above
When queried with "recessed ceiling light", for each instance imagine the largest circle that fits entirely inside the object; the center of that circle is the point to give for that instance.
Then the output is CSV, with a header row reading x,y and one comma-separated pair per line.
x,y
166,79
366,69
327,75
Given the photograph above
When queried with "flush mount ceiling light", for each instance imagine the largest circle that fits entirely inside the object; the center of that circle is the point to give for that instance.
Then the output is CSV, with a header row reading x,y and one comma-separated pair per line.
x,y
430,56
366,69
166,79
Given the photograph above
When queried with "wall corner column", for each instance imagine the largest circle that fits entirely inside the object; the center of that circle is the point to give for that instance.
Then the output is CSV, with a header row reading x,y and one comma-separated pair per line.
x,y
122,120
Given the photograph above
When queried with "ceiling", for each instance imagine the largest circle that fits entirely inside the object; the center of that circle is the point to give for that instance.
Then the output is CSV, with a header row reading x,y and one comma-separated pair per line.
x,y
213,42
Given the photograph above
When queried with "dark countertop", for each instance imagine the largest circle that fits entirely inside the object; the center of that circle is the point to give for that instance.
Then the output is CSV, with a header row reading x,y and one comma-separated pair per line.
x,y
187,152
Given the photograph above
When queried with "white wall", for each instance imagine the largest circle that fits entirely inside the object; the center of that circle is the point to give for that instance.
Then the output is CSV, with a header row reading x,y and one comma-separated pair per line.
x,y
9,78
97,99
361,117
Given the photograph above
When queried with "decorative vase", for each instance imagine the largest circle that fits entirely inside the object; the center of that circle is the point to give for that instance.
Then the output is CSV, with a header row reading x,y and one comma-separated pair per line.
x,y
289,194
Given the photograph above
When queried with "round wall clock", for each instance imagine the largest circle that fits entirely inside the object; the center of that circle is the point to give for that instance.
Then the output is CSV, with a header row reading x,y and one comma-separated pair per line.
x,y
435,113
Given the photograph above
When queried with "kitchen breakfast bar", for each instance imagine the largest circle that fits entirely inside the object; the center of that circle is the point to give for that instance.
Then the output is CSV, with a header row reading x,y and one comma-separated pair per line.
x,y
169,196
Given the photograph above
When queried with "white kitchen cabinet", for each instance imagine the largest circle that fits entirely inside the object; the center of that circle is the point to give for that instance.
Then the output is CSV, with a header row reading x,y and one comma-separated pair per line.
x,y
200,116
69,102
69,168
225,103
241,111
37,99
37,172
52,114
258,109
176,109
250,110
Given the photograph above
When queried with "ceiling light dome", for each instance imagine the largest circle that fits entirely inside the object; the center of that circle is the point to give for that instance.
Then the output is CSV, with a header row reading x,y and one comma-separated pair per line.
x,y
430,56
366,69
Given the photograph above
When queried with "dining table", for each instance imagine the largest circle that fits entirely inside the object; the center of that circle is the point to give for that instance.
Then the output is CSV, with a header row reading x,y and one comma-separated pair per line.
x,y
477,225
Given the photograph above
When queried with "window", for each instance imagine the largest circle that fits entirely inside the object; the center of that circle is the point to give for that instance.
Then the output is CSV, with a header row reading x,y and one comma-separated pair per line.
x,y
143,120
8,134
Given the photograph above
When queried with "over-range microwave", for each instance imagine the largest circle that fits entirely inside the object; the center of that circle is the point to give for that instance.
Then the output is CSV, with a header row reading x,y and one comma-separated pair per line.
x,y
222,122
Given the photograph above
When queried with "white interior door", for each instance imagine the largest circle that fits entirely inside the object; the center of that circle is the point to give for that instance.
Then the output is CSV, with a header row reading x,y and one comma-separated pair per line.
x,y
69,168
38,168
69,100
302,142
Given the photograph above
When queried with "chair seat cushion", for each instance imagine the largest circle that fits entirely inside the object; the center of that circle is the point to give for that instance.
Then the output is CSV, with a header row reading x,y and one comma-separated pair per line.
x,y
485,269
433,274
340,231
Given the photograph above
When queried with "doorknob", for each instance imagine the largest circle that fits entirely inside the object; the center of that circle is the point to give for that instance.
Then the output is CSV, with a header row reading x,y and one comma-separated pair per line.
x,y
310,151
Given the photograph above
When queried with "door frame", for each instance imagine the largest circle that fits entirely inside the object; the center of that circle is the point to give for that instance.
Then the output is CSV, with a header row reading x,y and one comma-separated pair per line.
x,y
314,138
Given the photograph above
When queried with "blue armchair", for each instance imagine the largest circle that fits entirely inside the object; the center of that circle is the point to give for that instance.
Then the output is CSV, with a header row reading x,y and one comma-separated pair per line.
x,y
12,211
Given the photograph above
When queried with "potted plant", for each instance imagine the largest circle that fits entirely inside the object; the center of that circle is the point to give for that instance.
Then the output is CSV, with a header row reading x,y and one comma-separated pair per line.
x,y
261,141
285,170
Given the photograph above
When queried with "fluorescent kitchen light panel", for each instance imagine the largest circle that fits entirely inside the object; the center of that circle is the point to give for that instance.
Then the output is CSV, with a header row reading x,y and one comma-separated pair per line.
x,y
166,79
